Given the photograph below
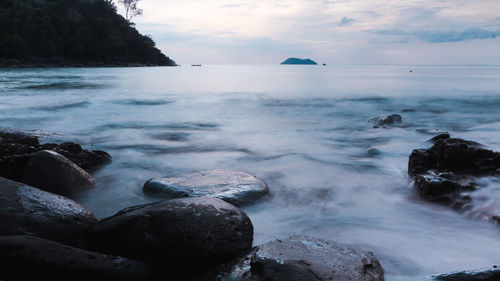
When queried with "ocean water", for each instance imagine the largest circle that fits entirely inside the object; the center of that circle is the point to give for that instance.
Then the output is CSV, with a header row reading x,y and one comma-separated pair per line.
x,y
305,130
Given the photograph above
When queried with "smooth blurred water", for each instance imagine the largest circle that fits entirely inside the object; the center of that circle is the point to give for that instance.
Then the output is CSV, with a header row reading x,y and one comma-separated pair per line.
x,y
303,129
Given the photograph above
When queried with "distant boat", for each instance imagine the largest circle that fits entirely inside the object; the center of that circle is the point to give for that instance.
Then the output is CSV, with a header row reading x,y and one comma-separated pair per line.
x,y
324,64
196,65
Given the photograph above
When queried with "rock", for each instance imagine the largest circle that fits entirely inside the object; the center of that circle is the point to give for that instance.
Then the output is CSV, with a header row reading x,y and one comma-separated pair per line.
x,y
88,160
17,146
480,275
23,257
25,210
444,188
439,137
306,259
180,236
52,172
454,155
237,188
389,120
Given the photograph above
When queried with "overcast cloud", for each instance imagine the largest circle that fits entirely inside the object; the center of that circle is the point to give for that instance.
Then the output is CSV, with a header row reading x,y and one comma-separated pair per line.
x,y
331,31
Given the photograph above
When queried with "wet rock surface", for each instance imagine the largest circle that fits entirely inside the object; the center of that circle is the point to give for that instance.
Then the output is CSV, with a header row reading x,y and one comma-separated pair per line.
x,y
304,258
454,155
52,172
16,148
492,274
25,257
237,188
26,210
450,171
180,236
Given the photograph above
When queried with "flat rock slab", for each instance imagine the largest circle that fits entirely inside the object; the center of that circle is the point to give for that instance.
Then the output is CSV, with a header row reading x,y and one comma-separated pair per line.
x,y
52,172
27,258
25,210
180,236
237,188
306,259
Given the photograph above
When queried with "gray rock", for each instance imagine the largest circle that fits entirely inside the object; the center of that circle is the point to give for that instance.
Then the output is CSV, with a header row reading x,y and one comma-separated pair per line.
x,y
52,172
479,275
389,120
26,257
306,259
180,236
25,210
237,188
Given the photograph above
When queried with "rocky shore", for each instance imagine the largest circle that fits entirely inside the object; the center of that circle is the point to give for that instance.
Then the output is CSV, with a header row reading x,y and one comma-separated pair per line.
x,y
195,231
192,233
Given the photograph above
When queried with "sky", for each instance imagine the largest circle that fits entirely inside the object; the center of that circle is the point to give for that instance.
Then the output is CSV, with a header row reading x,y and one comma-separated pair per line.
x,y
328,31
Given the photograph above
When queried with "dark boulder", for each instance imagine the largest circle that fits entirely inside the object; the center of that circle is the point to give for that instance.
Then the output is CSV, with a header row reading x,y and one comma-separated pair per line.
x,y
88,160
180,236
25,210
439,137
52,172
306,259
26,257
480,275
17,146
389,120
237,188
445,187
454,155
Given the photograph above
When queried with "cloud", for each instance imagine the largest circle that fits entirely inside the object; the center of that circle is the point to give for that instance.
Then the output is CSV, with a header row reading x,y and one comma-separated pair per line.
x,y
441,36
345,21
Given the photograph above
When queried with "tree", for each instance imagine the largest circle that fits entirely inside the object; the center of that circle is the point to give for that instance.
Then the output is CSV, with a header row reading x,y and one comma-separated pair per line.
x,y
131,9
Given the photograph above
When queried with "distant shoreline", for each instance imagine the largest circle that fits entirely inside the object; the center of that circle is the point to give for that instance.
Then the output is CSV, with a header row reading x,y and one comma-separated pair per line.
x,y
13,63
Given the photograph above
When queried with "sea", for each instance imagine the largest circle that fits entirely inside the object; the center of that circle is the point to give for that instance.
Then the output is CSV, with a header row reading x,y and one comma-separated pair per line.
x,y
305,130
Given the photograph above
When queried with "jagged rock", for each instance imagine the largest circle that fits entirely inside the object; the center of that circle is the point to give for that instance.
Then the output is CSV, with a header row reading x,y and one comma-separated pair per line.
x,y
444,187
180,236
237,188
459,156
479,275
304,258
52,172
27,257
25,210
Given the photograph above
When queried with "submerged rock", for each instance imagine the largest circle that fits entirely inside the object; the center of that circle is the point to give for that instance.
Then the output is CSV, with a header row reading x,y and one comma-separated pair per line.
x,y
480,275
389,120
306,259
180,236
237,188
25,257
25,210
50,171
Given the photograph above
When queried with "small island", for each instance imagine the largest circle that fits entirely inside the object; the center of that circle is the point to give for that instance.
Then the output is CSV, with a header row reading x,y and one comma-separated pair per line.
x,y
299,61
72,33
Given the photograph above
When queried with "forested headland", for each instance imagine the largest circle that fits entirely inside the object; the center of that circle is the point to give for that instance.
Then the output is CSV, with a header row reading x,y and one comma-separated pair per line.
x,y
72,33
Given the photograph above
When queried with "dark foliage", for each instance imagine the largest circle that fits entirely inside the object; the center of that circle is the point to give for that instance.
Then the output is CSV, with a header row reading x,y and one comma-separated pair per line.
x,y
72,32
